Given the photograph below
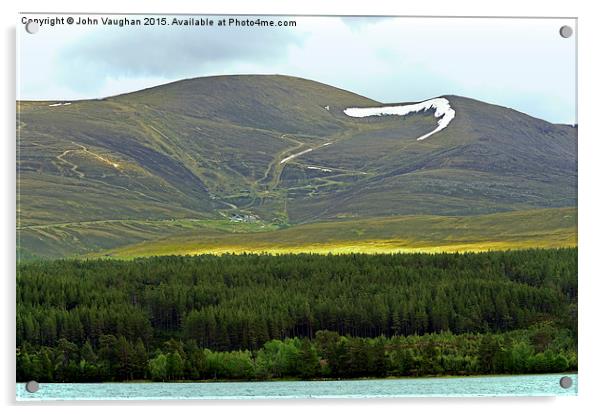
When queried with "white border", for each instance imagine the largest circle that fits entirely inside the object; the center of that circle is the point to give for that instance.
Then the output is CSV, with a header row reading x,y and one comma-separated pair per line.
x,y
590,150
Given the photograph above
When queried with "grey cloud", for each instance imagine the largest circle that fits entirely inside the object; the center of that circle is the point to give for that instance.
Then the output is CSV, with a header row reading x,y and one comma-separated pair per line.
x,y
174,51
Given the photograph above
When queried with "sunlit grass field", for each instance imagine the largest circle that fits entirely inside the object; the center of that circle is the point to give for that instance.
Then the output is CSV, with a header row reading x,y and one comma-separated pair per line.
x,y
542,228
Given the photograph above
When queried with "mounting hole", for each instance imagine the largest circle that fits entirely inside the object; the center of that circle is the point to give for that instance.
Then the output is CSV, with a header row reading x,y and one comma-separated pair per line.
x,y
566,382
32,386
566,31
32,27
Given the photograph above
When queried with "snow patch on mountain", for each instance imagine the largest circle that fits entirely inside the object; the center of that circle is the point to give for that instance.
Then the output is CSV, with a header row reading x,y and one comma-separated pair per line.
x,y
311,167
290,157
442,107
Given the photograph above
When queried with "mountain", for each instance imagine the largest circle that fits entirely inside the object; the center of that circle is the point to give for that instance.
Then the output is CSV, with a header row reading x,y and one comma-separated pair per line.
x,y
248,154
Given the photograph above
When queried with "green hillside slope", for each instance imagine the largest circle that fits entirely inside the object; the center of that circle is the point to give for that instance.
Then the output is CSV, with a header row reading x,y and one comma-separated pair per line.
x,y
276,150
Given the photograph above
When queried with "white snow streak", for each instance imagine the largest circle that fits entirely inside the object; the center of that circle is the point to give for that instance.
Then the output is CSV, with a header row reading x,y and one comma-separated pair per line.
x,y
443,111
61,104
290,157
311,167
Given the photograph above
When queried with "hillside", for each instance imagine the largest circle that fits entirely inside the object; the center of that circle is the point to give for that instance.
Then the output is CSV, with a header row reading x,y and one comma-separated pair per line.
x,y
255,153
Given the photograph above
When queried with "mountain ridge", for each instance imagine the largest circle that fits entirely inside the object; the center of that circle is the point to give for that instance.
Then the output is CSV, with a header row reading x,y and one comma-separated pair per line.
x,y
283,76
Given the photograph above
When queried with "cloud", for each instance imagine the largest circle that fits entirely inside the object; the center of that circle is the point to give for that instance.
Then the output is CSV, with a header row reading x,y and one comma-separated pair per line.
x,y
169,52
356,23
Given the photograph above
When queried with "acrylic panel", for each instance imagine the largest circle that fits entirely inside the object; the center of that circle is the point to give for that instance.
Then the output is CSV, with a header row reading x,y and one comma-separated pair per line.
x,y
239,207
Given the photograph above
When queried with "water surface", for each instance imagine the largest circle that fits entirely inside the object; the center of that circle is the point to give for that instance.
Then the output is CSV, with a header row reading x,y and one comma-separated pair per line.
x,y
517,385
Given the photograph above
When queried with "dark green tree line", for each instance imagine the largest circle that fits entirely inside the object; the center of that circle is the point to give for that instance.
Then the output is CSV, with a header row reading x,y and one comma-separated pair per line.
x,y
111,319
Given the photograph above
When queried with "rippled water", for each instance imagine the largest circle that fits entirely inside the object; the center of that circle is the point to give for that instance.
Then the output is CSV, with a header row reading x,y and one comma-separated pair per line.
x,y
520,385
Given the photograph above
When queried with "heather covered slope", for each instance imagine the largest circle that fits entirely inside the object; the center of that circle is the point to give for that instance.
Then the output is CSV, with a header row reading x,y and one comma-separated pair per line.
x,y
275,150
488,159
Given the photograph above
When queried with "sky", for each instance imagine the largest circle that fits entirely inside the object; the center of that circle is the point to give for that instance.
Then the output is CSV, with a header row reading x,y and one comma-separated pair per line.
x,y
519,63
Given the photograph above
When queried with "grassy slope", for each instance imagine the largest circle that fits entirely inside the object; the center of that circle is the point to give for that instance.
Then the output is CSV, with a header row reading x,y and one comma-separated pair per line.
x,y
489,159
515,230
187,149
80,238
151,163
